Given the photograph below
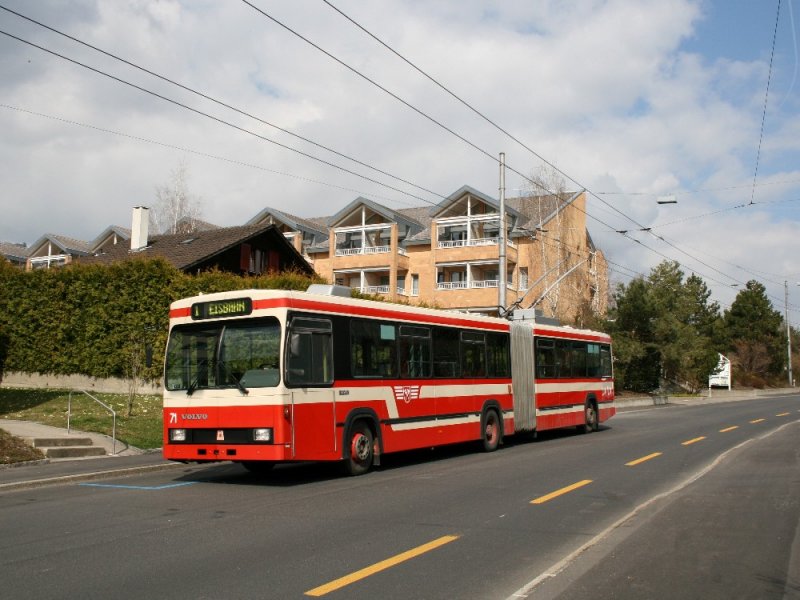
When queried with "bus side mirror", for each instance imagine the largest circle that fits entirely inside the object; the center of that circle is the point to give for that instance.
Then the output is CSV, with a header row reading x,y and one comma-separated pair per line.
x,y
148,356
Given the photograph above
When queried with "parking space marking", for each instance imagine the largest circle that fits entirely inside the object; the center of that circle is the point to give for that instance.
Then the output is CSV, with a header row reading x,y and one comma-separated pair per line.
x,y
138,487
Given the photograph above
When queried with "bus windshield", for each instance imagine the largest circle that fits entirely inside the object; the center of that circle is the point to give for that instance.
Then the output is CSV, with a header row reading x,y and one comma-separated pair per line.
x,y
241,354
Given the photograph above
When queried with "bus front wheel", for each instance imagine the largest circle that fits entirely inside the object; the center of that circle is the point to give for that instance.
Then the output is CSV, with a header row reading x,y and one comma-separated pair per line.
x,y
361,447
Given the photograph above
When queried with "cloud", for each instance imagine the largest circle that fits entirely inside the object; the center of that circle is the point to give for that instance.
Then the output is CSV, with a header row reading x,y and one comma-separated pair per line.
x,y
607,90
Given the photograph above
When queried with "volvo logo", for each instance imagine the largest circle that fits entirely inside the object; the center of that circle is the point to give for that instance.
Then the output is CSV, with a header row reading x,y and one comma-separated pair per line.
x,y
194,417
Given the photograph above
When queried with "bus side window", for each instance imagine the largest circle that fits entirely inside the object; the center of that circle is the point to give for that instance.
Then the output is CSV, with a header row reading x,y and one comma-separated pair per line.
x,y
415,351
605,361
593,360
545,358
498,359
473,354
445,353
373,349
578,359
309,352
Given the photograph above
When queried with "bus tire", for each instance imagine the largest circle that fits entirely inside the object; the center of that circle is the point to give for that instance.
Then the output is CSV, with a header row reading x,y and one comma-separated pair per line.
x,y
491,430
590,417
258,467
360,449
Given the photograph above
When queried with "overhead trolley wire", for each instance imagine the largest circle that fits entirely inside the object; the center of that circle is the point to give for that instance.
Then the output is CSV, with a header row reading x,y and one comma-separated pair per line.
x,y
487,119
212,117
766,98
232,161
538,184
219,102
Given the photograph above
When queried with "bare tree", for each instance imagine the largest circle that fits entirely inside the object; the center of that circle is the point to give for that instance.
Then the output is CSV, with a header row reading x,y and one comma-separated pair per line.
x,y
176,210
555,255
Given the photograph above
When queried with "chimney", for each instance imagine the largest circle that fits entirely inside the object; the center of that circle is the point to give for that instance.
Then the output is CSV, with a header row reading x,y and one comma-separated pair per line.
x,y
141,221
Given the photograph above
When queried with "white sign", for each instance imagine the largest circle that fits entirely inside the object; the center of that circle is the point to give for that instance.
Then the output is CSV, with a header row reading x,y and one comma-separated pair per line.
x,y
721,377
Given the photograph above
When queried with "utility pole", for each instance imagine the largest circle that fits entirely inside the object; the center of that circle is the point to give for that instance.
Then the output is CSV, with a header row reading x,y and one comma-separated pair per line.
x,y
788,331
501,294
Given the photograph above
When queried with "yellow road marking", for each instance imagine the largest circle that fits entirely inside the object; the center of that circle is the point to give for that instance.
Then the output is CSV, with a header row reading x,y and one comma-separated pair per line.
x,y
564,490
381,566
757,421
727,429
692,441
786,414
633,463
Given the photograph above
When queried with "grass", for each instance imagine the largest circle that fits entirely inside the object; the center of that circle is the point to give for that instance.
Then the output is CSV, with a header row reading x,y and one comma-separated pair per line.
x,y
14,450
142,429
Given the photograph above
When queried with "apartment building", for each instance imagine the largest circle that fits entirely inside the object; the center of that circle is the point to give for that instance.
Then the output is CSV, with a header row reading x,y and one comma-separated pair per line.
x,y
448,255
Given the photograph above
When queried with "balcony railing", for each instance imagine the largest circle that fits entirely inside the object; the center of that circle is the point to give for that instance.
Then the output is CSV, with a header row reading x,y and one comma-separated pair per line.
x,y
382,289
451,285
366,250
474,284
490,241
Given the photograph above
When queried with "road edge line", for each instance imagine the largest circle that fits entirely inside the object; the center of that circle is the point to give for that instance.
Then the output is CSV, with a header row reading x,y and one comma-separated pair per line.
x,y
558,567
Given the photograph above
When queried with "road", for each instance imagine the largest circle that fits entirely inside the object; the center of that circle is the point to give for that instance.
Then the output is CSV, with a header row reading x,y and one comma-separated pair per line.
x,y
666,502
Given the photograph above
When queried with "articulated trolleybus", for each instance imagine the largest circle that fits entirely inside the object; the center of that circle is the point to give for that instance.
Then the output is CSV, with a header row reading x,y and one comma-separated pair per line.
x,y
267,376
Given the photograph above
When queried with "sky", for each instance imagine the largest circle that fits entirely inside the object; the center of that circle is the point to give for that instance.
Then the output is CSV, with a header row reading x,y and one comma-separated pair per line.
x,y
632,100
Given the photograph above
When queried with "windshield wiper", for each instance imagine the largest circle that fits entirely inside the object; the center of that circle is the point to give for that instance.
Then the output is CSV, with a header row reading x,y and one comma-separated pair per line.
x,y
196,381
238,383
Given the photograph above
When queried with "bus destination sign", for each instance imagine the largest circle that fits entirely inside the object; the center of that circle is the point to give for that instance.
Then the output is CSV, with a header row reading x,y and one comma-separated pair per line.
x,y
219,309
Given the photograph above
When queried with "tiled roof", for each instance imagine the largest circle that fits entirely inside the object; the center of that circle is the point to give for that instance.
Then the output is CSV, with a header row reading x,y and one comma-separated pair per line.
x,y
66,244
186,250
530,212
18,252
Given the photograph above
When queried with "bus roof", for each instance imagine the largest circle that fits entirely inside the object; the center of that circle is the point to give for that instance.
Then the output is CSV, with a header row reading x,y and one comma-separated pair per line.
x,y
261,300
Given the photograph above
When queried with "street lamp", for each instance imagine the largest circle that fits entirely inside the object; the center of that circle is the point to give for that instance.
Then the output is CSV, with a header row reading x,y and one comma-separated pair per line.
x,y
667,199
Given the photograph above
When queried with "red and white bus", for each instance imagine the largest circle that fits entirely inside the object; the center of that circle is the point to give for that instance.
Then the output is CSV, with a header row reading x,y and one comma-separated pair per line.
x,y
267,376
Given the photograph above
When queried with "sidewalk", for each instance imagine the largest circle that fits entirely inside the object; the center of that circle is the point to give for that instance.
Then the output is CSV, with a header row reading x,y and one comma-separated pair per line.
x,y
126,461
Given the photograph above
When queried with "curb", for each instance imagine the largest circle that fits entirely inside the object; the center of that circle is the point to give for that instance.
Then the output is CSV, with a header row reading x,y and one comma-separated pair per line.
x,y
91,476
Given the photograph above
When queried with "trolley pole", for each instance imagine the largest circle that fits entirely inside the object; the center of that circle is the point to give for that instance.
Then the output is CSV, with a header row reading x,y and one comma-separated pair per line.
x,y
501,293
788,331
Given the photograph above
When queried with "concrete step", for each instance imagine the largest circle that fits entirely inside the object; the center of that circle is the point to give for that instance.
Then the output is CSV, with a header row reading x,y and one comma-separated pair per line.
x,y
66,446
73,451
51,442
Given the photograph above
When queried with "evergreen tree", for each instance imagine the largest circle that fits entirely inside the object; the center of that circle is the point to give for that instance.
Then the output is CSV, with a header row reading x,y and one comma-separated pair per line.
x,y
754,328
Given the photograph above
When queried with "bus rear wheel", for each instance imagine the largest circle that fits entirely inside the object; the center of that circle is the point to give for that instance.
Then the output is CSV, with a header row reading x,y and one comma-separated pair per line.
x,y
589,417
361,446
491,430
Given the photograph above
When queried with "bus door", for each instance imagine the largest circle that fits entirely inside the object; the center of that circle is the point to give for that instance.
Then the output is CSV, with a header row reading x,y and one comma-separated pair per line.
x,y
309,375
523,376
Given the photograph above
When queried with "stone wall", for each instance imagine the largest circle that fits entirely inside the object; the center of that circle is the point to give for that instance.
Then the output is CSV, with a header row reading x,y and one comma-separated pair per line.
x,y
75,382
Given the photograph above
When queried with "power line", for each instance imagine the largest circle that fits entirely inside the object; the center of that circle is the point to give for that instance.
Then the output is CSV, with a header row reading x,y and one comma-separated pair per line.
x,y
199,153
213,118
219,102
701,190
425,115
766,98
331,164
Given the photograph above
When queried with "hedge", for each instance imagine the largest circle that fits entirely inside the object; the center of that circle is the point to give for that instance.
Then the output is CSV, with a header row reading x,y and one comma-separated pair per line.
x,y
96,320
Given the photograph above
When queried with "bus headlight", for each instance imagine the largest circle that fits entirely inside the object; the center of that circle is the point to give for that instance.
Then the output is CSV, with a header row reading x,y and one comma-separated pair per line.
x,y
177,435
262,435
